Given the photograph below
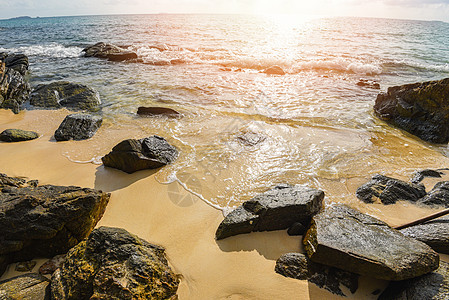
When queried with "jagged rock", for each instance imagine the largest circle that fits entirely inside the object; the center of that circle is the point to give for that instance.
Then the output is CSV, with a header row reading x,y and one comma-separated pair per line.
x,y
50,266
434,286
276,209
109,51
420,108
31,286
14,88
345,238
114,264
60,94
157,111
368,83
293,265
438,196
78,127
389,190
25,266
17,135
134,155
420,175
18,62
42,221
274,70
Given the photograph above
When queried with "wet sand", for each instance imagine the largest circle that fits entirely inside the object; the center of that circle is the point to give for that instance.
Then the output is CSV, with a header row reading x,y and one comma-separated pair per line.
x,y
240,267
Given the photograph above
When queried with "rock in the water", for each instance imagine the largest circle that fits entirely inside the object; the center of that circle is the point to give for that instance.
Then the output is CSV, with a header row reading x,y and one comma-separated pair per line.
x,y
25,266
438,196
276,209
60,94
345,238
27,287
14,88
434,233
250,138
389,190
420,175
420,108
114,264
433,286
109,51
42,221
157,111
133,155
274,70
78,127
368,83
17,135
50,266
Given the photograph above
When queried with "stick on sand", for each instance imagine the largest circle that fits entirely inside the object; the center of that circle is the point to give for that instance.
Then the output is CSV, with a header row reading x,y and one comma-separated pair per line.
x,y
422,220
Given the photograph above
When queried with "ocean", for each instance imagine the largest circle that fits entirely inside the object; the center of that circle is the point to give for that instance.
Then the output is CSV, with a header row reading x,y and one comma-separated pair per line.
x,y
243,131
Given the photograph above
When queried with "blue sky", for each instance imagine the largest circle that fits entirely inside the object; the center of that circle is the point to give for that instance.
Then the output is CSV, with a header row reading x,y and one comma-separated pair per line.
x,y
403,9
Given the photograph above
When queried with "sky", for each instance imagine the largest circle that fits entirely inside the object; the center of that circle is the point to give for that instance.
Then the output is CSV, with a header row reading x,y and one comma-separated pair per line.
x,y
399,9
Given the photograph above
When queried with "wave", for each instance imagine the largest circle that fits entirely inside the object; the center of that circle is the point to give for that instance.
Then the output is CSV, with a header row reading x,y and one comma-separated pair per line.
x,y
50,50
403,65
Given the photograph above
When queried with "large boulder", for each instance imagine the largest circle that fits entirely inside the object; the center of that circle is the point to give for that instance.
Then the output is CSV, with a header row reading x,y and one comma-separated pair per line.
x,y
420,108
389,190
14,88
17,135
133,155
30,286
78,127
114,264
276,209
60,94
109,51
434,286
345,238
42,221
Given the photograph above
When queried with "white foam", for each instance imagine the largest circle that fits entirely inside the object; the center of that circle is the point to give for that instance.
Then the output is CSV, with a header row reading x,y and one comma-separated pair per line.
x,y
50,50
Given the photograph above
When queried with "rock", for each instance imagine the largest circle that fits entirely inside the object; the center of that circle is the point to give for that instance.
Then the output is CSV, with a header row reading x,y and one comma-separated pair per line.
x,y
368,83
296,229
250,138
420,175
18,62
434,285
276,209
274,70
114,264
293,265
345,238
27,287
421,109
438,196
14,88
133,155
156,111
389,190
60,94
109,51
25,266
17,135
78,127
50,266
434,233
42,221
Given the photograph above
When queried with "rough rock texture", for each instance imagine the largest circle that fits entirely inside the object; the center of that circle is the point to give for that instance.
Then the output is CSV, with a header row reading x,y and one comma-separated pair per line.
x,y
157,111
276,209
60,94
134,155
42,221
50,266
25,266
274,70
114,264
389,190
31,286
345,238
433,286
420,108
434,233
17,135
109,51
78,127
298,266
438,196
420,175
14,88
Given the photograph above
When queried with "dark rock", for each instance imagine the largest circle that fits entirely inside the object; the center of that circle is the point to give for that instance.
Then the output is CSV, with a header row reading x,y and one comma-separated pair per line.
x,y
18,62
6,181
25,266
438,196
420,175
368,83
156,111
109,51
250,138
345,238
14,88
434,233
17,135
78,127
389,190
45,220
293,265
27,287
274,70
296,229
276,209
434,285
134,155
114,264
420,108
50,266
60,94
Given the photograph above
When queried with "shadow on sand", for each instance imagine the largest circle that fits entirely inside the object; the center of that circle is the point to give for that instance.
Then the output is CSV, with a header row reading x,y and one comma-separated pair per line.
x,y
110,179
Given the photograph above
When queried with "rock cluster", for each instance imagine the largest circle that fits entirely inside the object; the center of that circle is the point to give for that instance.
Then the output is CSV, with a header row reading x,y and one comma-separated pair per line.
x,y
109,51
78,127
14,88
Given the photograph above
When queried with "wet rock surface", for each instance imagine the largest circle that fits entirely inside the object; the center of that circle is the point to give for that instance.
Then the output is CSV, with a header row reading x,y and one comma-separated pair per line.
x,y
157,111
42,221
276,209
420,175
109,51
27,287
17,135
274,70
345,238
420,108
133,155
78,127
14,88
368,83
438,196
114,264
251,138
60,94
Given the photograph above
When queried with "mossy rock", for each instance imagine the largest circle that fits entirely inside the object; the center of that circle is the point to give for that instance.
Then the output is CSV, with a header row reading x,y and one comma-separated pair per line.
x,y
17,135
